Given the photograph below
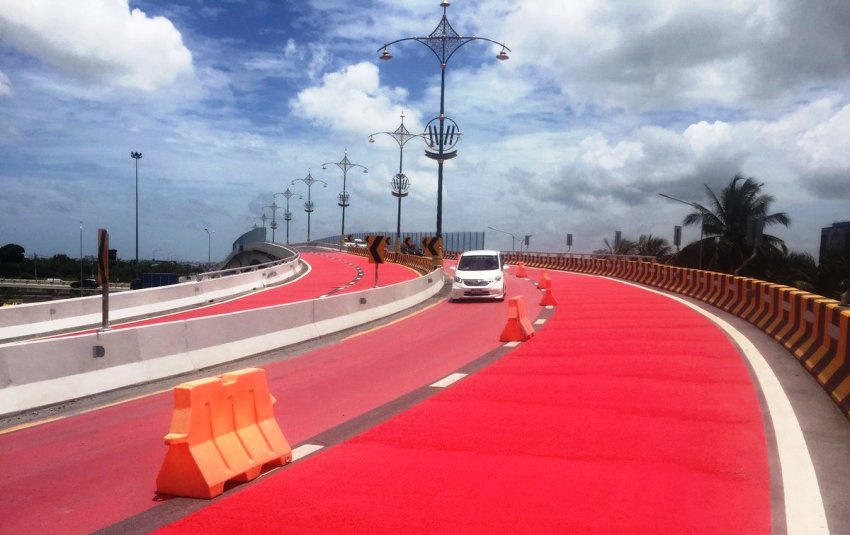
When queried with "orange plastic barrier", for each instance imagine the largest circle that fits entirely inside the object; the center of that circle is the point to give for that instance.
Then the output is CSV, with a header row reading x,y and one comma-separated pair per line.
x,y
222,429
520,270
518,328
548,299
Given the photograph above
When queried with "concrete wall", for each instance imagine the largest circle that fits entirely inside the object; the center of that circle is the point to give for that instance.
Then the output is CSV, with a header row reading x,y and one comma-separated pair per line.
x,y
44,372
54,316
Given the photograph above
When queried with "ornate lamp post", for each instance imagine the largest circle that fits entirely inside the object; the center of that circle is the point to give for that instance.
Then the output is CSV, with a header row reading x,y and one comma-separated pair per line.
x,y
137,156
344,164
308,206
400,183
273,224
287,215
442,131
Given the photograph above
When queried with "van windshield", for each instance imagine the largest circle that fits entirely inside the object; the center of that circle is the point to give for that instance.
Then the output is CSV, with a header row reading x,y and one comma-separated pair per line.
x,y
478,263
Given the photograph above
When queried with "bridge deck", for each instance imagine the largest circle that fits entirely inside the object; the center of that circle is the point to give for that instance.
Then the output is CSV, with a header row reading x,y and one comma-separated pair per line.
x,y
627,412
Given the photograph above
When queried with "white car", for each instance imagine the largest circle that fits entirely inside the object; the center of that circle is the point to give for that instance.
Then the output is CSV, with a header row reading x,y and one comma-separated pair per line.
x,y
479,275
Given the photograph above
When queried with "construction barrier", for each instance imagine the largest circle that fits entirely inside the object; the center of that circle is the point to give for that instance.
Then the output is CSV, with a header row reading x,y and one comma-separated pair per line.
x,y
518,327
816,330
222,429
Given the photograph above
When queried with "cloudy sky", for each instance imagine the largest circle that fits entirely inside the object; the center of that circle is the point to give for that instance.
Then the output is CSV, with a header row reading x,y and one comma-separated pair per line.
x,y
603,105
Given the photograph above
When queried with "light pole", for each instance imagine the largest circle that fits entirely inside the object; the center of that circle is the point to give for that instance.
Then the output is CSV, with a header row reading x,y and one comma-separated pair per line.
x,y
701,210
442,131
137,156
209,246
273,225
81,254
400,183
308,206
287,215
513,238
345,164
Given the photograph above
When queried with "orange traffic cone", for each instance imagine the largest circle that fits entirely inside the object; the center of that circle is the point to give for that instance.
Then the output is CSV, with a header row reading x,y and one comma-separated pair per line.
x,y
548,299
518,328
545,280
520,270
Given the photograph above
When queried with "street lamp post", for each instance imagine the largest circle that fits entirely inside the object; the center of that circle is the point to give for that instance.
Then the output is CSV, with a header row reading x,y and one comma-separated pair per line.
x,y
81,254
701,210
287,215
137,156
273,224
442,131
209,246
400,183
308,206
513,238
345,164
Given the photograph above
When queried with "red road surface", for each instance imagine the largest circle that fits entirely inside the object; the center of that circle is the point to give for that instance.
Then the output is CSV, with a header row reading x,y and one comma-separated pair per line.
x,y
88,472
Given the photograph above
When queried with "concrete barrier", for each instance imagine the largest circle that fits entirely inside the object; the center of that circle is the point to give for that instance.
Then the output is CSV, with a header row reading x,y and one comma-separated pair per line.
x,y
55,316
45,372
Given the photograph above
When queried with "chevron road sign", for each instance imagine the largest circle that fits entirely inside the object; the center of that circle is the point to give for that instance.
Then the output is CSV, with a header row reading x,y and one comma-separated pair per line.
x,y
376,247
432,247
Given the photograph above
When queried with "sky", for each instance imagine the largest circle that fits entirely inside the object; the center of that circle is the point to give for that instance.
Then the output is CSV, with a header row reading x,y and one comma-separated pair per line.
x,y
602,105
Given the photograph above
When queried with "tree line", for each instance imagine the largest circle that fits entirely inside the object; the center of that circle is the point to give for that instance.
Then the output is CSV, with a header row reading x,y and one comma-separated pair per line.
x,y
726,245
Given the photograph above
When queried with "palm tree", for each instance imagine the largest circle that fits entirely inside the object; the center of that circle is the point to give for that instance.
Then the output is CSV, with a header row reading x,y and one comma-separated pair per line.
x,y
649,245
624,247
725,222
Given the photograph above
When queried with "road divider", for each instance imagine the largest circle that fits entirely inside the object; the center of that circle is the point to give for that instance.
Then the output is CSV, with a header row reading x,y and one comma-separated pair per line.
x,y
518,328
222,429
45,372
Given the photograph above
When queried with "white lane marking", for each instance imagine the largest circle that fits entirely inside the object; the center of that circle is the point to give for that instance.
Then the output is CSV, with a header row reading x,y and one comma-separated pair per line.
x,y
512,344
550,307
804,511
541,321
449,380
304,450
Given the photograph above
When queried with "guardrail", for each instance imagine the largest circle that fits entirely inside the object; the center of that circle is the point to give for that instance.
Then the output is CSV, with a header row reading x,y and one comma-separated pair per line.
x,y
813,328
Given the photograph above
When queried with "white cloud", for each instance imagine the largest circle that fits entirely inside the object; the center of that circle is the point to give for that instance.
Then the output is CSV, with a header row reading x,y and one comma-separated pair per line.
x,y
98,41
351,100
5,86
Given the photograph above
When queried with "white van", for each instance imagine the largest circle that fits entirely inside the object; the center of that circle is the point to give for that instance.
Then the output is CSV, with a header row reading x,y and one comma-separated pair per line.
x,y
479,275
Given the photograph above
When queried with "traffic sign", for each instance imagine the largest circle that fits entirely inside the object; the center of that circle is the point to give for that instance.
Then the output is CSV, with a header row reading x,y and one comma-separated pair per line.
x,y
376,247
102,257
432,247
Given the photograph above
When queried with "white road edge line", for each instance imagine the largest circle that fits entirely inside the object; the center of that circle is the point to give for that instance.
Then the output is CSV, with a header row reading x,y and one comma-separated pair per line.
x,y
541,321
512,344
449,380
304,450
804,510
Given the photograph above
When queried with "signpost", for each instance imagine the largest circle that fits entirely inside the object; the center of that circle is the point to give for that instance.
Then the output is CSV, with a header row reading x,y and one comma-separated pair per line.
x,y
103,273
433,247
376,248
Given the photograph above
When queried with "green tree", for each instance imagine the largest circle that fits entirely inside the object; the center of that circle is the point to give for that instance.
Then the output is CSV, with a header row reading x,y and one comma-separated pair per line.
x,y
649,245
11,253
725,220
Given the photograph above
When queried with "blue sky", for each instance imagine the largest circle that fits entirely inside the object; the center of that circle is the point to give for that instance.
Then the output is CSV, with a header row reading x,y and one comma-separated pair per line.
x,y
602,106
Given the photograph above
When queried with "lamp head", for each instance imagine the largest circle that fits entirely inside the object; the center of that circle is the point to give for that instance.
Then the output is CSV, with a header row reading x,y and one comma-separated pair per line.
x,y
385,55
503,55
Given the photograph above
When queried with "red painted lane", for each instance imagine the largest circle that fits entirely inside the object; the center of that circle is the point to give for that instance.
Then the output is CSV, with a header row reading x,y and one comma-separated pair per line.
x,y
601,423
331,273
90,471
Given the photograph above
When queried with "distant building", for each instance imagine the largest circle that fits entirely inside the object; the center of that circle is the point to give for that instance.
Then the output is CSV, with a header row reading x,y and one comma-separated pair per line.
x,y
835,240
